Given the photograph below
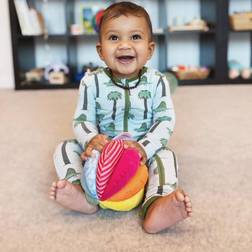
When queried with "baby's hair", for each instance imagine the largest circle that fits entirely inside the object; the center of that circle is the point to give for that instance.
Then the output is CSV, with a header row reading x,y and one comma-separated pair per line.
x,y
125,8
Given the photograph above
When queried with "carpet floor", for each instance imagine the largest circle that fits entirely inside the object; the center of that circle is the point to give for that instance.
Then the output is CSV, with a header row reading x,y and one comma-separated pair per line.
x,y
213,143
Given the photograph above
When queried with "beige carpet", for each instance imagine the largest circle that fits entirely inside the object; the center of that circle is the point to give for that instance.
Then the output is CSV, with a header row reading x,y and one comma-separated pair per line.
x,y
213,141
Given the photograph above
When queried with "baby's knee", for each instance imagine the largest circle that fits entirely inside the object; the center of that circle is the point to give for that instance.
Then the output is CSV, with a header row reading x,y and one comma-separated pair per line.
x,y
67,146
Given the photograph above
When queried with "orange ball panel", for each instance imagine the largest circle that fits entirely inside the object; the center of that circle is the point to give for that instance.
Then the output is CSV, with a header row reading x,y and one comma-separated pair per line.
x,y
135,184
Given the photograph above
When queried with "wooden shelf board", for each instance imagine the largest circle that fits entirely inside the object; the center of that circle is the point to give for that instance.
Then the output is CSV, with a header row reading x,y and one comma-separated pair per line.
x,y
211,31
38,85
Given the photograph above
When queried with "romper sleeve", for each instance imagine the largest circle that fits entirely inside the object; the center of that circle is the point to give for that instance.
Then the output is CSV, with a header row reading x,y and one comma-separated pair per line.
x,y
84,121
163,120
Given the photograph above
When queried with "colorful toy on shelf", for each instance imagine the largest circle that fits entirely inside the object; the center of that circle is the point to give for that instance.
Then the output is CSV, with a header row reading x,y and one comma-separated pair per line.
x,y
246,73
237,70
91,18
97,19
190,72
35,74
87,20
57,73
234,69
115,179
91,15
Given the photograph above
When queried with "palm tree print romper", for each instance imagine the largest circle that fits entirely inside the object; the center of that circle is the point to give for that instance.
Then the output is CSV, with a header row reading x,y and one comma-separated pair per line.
x,y
146,112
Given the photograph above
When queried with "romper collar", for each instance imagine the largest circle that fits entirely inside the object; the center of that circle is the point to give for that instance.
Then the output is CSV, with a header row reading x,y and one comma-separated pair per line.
x,y
130,83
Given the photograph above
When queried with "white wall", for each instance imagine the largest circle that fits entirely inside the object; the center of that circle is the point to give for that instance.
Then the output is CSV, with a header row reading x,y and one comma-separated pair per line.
x,y
6,67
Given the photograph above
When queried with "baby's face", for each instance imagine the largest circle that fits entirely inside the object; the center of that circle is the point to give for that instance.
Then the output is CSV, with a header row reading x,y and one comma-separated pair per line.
x,y
125,45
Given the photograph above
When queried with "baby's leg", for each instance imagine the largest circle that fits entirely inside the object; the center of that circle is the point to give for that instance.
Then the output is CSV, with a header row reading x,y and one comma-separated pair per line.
x,y
164,205
68,191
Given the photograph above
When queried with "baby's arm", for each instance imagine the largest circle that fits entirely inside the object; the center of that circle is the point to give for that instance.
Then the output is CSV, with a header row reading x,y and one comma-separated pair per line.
x,y
164,120
84,122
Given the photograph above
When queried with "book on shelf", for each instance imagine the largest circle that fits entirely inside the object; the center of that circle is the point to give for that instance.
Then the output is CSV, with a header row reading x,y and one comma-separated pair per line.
x,y
30,20
90,15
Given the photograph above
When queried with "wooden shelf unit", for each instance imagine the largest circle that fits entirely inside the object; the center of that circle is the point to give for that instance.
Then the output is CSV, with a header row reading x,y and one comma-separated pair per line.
x,y
213,45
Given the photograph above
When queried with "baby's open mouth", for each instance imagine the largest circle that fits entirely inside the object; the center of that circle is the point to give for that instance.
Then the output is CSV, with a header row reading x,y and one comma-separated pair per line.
x,y
125,58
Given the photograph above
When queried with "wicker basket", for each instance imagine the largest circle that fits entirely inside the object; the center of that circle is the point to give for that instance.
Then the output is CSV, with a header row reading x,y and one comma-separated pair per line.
x,y
199,74
241,21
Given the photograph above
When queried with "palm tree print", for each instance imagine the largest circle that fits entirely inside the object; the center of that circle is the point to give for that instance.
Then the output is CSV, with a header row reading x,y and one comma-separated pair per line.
x,y
71,173
161,107
100,117
164,118
144,80
110,127
145,95
98,105
131,116
81,118
109,83
143,128
164,142
169,131
114,96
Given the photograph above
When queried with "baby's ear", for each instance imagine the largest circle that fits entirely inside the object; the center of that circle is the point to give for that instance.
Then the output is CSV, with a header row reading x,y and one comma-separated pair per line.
x,y
152,46
99,50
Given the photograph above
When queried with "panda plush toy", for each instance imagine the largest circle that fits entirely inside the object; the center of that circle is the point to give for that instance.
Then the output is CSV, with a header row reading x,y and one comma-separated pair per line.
x,y
57,73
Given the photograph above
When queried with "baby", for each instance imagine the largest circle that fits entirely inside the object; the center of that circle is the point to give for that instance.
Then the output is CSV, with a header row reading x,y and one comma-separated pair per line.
x,y
124,96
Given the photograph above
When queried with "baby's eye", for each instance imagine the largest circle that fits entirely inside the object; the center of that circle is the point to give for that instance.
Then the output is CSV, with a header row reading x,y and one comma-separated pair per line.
x,y
136,37
113,37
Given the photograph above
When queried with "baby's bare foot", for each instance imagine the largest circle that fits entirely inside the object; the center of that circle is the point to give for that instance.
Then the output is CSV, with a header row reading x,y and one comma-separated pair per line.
x,y
71,196
167,211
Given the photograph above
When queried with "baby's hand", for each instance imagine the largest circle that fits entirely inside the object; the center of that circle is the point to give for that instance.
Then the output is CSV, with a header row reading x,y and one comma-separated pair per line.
x,y
96,143
136,145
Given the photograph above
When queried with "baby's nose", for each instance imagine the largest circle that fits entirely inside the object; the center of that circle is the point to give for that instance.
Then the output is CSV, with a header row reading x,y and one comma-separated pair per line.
x,y
124,45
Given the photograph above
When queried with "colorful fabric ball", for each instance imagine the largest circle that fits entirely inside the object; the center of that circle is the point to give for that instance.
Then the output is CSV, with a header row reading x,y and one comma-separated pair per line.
x,y
117,181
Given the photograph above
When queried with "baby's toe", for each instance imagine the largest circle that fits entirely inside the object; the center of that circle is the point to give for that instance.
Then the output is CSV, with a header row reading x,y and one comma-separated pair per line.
x,y
187,199
52,191
53,188
179,195
188,210
54,184
61,184
52,195
188,204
